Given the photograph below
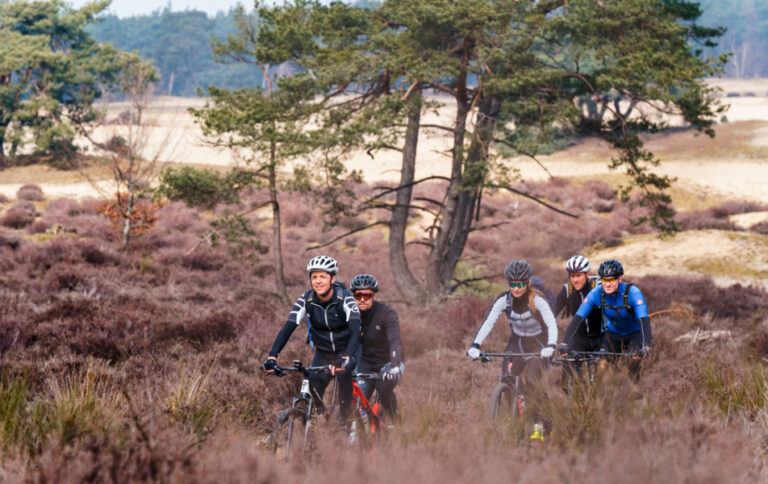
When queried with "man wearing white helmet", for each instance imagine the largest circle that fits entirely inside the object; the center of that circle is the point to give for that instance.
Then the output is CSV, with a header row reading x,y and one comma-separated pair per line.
x,y
334,329
589,336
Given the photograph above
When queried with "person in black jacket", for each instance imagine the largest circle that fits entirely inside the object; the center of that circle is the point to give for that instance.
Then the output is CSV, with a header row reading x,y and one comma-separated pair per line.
x,y
382,351
588,336
334,329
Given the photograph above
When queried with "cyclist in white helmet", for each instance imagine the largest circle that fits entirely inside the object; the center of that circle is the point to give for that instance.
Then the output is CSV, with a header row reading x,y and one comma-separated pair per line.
x,y
589,336
333,319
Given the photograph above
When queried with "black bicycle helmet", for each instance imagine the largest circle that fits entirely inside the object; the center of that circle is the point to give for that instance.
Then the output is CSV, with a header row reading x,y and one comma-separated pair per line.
x,y
364,281
610,268
518,270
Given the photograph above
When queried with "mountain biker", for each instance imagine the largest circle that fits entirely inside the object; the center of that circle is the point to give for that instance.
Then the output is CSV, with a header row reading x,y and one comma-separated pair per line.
x,y
587,336
533,328
624,315
333,319
381,349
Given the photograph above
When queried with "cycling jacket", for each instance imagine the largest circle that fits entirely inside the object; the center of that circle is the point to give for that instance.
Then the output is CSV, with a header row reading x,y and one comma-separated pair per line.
x,y
334,326
617,317
523,320
380,336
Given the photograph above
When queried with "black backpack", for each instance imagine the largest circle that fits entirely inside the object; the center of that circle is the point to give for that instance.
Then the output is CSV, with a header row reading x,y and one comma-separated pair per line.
x,y
538,284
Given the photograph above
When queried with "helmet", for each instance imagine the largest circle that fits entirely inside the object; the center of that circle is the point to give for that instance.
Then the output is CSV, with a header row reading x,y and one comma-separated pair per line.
x,y
577,263
518,270
364,281
323,263
610,268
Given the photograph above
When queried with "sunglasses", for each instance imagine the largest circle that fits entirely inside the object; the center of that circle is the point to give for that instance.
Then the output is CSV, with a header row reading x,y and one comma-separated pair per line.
x,y
363,296
517,284
608,280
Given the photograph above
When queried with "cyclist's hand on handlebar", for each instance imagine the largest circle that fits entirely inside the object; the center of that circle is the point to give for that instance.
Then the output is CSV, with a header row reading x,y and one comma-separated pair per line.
x,y
563,349
547,352
392,374
341,364
473,352
270,364
643,352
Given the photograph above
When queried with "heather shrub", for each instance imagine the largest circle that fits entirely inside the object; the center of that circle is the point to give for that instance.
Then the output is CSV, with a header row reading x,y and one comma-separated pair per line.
x,y
80,218
296,214
32,193
204,260
9,239
19,215
3,198
760,228
38,227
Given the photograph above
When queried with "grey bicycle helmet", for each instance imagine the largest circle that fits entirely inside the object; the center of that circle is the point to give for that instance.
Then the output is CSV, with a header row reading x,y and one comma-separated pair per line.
x,y
577,263
323,263
610,268
364,281
518,270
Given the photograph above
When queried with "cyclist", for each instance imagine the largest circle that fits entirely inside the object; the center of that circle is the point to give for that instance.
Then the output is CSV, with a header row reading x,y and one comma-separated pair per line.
x,y
333,319
624,315
587,336
533,329
381,349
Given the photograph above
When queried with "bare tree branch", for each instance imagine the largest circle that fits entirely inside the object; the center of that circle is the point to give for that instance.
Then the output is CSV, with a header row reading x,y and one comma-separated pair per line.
x,y
535,199
380,222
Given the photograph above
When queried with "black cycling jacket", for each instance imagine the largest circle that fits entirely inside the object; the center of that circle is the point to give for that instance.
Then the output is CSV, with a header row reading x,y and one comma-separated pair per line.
x,y
380,336
334,326
568,304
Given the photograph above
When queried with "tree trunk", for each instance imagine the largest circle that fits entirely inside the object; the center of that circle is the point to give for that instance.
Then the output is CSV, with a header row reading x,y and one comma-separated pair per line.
x,y
463,195
277,242
407,284
127,222
437,285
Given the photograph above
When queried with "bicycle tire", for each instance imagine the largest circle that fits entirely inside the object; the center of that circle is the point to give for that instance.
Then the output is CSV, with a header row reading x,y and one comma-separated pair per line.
x,y
289,438
502,405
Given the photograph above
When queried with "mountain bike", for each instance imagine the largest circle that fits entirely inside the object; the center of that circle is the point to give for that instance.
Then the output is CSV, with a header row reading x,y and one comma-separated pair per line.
x,y
593,361
507,402
367,421
290,437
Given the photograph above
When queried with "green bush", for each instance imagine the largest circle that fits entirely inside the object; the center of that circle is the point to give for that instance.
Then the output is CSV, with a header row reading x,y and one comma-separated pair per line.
x,y
203,188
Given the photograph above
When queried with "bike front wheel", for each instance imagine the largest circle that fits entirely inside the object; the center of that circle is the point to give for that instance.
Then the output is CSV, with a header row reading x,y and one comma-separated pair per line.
x,y
503,405
290,437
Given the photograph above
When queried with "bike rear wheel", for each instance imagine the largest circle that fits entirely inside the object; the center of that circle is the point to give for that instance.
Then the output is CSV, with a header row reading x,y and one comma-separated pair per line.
x,y
289,439
503,404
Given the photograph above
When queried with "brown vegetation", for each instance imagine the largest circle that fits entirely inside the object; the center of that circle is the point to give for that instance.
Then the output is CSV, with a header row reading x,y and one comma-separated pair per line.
x,y
141,363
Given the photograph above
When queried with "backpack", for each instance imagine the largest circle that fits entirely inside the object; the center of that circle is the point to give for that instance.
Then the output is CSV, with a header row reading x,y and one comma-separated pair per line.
x,y
591,280
541,289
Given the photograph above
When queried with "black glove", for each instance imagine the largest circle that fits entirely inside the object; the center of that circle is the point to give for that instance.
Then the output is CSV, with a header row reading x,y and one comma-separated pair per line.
x,y
269,365
643,352
343,363
562,349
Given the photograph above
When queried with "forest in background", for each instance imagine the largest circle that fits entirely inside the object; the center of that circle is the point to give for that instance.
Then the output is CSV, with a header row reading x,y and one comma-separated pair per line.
x,y
178,42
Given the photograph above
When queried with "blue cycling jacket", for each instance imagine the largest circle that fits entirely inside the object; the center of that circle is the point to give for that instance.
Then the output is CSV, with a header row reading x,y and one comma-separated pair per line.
x,y
616,317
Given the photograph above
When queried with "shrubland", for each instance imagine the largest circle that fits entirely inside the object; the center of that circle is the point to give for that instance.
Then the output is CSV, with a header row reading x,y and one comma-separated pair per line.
x,y
140,363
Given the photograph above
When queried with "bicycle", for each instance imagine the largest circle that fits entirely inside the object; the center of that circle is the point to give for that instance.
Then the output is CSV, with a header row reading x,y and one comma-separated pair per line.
x,y
594,361
308,406
507,402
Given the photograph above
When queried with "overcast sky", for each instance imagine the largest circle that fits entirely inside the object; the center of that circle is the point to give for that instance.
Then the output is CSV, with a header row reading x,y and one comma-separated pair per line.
x,y
127,8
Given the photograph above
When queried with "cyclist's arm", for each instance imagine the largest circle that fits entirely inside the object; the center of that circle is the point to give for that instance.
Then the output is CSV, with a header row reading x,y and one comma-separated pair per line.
x,y
490,319
590,303
548,318
352,313
637,301
392,325
295,317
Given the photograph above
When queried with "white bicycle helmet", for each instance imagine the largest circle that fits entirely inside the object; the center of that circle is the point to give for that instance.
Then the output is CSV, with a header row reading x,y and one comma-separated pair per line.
x,y
323,263
577,263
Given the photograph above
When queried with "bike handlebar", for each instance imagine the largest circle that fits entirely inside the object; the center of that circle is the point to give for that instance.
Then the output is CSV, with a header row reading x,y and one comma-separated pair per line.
x,y
369,376
486,357
298,366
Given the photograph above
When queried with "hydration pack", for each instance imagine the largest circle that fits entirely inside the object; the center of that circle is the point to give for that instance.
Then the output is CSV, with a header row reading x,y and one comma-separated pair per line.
x,y
624,301
541,289
591,280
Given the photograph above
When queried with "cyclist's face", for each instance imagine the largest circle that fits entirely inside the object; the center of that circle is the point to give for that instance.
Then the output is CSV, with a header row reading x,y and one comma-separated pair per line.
x,y
611,287
518,291
578,279
321,281
364,299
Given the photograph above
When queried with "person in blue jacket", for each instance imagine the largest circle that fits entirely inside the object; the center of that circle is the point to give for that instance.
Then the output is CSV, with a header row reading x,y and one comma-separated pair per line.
x,y
625,319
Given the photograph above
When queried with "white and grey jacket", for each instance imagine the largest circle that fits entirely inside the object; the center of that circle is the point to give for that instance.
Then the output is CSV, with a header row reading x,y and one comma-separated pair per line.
x,y
525,322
